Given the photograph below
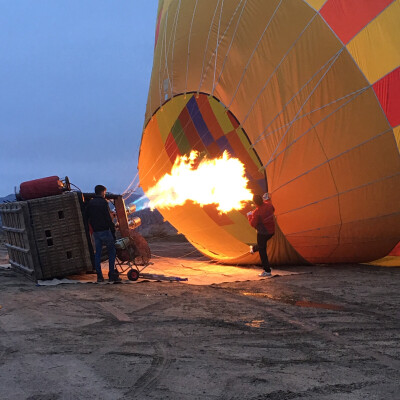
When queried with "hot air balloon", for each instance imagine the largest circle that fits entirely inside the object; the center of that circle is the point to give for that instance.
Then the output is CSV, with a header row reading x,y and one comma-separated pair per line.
x,y
306,94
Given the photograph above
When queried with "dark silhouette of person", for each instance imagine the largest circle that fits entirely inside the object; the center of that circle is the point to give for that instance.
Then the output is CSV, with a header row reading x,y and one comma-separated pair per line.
x,y
262,219
98,214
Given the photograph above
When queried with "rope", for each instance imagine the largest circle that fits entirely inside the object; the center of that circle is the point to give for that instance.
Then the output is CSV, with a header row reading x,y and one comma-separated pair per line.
x,y
316,124
174,27
302,106
230,45
254,50
293,97
185,255
188,52
216,49
166,56
159,70
151,104
205,49
135,177
309,113
277,67
219,42
341,193
173,46
349,222
332,158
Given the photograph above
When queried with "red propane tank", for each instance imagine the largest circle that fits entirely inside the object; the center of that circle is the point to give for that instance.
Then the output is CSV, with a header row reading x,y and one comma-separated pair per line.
x,y
44,187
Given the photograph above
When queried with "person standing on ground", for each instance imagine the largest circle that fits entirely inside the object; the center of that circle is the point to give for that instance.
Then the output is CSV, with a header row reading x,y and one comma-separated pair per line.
x,y
99,217
262,219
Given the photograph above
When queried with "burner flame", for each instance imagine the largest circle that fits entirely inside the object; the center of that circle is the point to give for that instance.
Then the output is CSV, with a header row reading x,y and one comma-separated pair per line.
x,y
220,181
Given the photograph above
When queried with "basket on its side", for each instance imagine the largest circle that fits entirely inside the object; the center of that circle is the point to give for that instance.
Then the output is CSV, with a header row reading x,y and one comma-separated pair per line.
x,y
46,237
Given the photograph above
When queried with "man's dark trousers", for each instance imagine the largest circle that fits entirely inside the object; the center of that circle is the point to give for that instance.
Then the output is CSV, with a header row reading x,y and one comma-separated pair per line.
x,y
100,238
262,248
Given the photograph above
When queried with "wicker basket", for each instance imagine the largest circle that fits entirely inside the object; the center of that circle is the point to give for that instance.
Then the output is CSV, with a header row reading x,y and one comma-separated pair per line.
x,y
46,237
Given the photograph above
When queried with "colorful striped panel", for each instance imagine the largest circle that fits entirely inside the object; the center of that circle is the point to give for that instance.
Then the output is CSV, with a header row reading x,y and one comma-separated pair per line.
x,y
209,117
171,148
244,156
376,49
222,115
388,92
199,123
180,138
347,18
190,131
246,144
167,119
214,150
233,120
262,184
223,144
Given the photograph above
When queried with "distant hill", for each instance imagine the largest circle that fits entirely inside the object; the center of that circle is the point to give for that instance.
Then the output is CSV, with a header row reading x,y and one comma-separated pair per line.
x,y
10,197
153,224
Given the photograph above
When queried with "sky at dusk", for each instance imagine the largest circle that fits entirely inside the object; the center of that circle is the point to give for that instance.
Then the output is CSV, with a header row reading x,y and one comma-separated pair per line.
x,y
74,78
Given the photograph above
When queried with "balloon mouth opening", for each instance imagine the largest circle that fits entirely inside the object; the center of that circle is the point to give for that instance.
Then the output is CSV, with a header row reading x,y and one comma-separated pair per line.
x,y
201,122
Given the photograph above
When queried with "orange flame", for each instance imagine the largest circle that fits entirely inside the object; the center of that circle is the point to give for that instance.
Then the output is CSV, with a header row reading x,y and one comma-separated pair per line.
x,y
220,181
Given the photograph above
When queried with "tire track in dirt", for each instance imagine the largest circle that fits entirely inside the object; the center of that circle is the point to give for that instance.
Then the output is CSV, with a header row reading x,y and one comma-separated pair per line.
x,y
162,305
290,319
318,390
149,379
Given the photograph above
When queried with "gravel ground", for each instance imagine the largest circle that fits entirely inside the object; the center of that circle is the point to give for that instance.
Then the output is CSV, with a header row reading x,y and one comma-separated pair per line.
x,y
332,333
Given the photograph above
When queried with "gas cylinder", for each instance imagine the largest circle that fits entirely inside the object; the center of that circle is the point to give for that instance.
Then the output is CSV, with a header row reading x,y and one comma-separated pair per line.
x,y
43,187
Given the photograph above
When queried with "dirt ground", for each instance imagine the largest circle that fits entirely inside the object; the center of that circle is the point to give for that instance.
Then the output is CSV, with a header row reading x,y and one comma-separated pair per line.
x,y
323,332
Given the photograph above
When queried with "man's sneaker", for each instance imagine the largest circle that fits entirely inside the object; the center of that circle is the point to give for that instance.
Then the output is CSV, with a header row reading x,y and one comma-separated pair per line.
x,y
100,279
254,248
265,274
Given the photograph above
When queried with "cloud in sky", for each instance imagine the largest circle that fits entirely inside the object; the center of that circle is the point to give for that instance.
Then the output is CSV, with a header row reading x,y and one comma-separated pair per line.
x,y
74,78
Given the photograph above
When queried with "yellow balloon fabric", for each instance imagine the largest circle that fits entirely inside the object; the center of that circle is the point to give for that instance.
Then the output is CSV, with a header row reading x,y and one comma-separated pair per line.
x,y
289,88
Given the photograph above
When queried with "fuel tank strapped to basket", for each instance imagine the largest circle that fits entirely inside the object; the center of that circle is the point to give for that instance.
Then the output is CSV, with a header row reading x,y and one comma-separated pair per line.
x,y
44,187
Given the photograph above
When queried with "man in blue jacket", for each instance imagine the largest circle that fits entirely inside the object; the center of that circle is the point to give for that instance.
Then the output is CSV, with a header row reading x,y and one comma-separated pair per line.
x,y
99,217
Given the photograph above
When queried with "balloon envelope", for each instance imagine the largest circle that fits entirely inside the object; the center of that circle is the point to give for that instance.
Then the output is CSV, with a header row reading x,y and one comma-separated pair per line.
x,y
307,95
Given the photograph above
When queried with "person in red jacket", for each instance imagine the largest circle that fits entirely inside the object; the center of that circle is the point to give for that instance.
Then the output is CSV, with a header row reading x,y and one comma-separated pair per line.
x,y
262,219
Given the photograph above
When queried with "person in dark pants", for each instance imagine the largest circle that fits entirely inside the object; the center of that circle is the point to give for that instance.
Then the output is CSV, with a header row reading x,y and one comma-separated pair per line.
x,y
99,217
262,219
